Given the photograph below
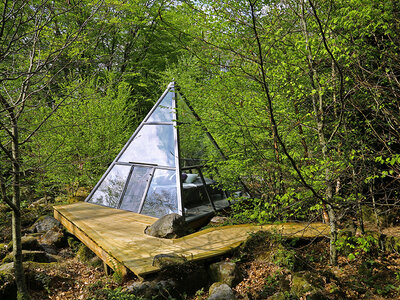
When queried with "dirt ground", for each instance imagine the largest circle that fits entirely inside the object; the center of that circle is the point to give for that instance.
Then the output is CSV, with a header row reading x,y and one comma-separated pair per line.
x,y
369,276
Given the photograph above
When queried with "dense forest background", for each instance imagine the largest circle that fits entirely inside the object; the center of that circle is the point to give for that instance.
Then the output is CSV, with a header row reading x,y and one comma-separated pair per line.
x,y
302,96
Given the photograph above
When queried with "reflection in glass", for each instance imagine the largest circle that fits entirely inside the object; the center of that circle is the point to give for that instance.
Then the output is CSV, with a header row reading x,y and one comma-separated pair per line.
x,y
135,189
164,111
195,145
161,198
111,188
153,144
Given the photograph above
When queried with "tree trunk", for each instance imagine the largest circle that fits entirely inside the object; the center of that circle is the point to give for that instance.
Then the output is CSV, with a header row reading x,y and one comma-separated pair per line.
x,y
319,116
22,291
333,236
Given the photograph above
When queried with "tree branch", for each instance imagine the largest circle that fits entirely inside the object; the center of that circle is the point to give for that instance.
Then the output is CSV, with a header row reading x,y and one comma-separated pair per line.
x,y
271,110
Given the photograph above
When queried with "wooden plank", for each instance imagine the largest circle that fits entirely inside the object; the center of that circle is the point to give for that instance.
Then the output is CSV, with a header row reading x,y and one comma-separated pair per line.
x,y
92,245
119,235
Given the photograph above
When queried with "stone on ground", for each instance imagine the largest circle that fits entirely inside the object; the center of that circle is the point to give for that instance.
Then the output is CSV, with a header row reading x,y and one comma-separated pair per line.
x,y
40,203
218,220
44,224
225,272
8,288
54,237
220,291
153,289
305,283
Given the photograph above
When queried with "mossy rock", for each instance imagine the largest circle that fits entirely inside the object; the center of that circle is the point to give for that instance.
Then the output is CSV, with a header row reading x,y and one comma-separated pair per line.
x,y
54,237
29,255
250,249
73,243
3,250
38,280
84,254
29,216
386,218
189,277
168,260
301,286
307,283
220,291
157,290
344,233
225,272
28,242
96,262
78,195
8,289
282,296
44,224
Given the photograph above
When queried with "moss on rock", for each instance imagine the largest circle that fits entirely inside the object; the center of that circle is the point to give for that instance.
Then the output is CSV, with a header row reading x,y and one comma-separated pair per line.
x,y
8,288
225,272
29,255
3,250
306,283
84,254
28,242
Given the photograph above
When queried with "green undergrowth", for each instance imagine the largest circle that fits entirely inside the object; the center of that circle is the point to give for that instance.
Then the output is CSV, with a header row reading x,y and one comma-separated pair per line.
x,y
111,294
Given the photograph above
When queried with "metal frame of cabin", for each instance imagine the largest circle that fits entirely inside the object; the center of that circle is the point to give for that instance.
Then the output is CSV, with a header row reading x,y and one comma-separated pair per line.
x,y
168,119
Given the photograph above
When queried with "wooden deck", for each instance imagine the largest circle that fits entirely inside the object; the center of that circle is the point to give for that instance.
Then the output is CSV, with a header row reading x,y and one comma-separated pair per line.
x,y
118,238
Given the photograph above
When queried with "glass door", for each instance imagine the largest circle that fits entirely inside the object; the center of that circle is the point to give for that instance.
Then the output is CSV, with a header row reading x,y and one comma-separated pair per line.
x,y
136,187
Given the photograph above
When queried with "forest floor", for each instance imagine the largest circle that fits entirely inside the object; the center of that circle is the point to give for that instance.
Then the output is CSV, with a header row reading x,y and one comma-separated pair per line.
x,y
269,265
368,277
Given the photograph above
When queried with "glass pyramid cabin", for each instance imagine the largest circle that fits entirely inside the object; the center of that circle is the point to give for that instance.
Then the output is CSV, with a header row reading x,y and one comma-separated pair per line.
x,y
160,169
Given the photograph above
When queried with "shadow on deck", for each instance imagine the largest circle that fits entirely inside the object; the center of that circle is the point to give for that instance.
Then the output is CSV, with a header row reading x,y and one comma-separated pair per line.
x,y
118,238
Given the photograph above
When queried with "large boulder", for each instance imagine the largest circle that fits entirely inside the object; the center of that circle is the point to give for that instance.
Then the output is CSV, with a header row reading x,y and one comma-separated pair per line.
x,y
188,277
8,289
220,291
35,274
169,226
30,242
54,237
225,272
44,224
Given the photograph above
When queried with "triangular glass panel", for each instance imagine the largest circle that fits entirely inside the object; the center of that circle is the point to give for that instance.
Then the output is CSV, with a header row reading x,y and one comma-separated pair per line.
x,y
111,187
162,197
153,144
164,111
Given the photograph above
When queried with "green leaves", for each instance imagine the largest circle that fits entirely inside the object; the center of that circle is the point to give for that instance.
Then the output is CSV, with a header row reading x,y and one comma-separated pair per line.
x,y
87,132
